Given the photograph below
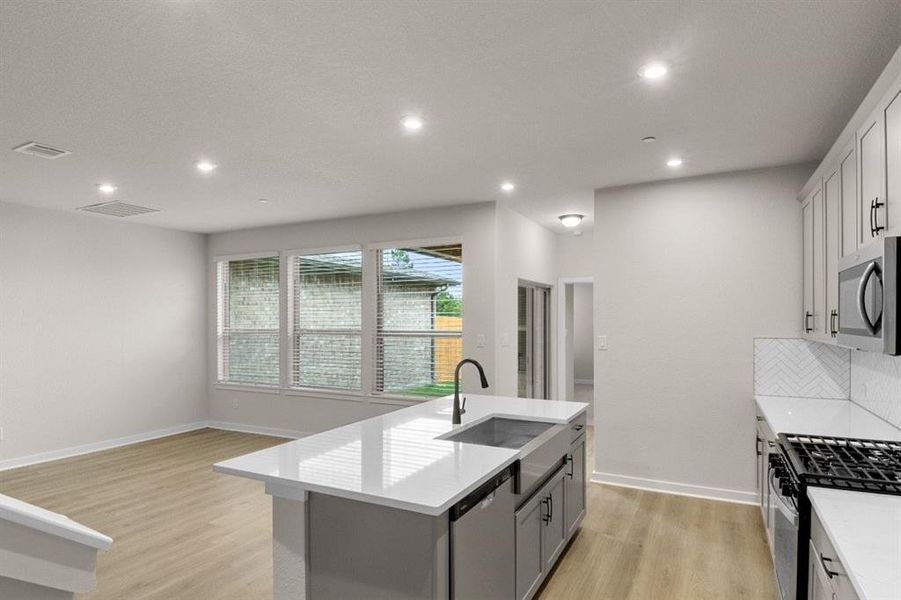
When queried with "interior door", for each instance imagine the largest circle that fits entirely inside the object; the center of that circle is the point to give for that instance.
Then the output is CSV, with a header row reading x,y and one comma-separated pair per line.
x,y
533,345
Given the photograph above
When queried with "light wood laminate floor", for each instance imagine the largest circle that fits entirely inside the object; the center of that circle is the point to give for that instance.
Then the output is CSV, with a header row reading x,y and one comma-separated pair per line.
x,y
182,531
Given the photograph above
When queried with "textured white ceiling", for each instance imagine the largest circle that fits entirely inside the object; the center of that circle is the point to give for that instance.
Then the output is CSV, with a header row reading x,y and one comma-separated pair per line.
x,y
300,102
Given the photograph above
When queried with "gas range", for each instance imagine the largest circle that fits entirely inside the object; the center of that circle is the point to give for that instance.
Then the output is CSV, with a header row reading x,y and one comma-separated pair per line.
x,y
843,463
803,461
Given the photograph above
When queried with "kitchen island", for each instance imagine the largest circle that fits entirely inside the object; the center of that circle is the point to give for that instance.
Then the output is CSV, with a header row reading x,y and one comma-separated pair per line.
x,y
390,507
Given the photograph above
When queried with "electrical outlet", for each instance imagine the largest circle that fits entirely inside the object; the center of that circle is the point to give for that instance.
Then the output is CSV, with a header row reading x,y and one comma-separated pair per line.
x,y
1,434
234,403
480,340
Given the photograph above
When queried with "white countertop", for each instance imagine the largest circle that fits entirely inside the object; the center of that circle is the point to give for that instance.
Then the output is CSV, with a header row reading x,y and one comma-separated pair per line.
x,y
55,524
866,532
815,416
394,459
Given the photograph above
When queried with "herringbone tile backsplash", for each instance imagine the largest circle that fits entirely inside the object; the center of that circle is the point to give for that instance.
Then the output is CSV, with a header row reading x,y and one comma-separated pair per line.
x,y
800,368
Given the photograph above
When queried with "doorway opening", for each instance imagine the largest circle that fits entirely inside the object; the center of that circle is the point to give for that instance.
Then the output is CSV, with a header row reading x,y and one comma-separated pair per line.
x,y
533,340
575,364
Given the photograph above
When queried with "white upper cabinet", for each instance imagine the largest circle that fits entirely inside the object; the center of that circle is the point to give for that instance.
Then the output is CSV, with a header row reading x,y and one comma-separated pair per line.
x,y
871,177
892,118
853,199
808,225
847,169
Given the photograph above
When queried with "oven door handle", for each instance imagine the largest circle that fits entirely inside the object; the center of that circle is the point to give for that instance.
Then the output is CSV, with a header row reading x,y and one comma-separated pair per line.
x,y
872,268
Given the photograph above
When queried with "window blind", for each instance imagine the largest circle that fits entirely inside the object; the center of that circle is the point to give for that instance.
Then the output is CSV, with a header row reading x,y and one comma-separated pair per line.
x,y
325,329
248,321
419,319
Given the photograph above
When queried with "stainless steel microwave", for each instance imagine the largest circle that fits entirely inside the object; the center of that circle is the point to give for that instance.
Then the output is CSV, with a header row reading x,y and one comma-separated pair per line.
x,y
868,290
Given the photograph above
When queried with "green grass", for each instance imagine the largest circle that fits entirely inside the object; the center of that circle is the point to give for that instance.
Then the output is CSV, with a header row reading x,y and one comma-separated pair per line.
x,y
439,388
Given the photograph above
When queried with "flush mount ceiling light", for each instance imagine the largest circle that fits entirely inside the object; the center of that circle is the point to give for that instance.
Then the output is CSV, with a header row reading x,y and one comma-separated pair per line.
x,y
263,201
412,122
205,166
653,70
508,186
674,162
571,220
106,188
649,139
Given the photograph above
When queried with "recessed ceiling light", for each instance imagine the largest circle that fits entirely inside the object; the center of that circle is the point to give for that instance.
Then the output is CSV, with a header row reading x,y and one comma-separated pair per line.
x,y
205,166
263,201
508,186
412,123
106,188
674,162
653,70
571,220
649,139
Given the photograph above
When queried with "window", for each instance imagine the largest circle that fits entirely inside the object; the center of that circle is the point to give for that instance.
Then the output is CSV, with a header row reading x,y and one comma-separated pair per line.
x,y
419,322
325,329
248,321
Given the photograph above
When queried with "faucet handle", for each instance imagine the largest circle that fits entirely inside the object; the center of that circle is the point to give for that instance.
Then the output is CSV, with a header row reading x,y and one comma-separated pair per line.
x,y
463,406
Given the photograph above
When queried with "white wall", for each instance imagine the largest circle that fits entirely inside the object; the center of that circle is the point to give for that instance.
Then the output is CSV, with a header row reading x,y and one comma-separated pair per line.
x,y
686,273
583,332
527,251
101,329
474,224
575,255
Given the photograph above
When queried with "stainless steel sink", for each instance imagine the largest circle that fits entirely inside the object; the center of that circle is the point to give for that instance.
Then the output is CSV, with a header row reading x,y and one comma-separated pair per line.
x,y
501,433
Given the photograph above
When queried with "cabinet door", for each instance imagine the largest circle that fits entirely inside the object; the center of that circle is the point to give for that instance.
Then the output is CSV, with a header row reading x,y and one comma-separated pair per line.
x,y
832,203
818,585
893,163
871,178
807,308
553,532
529,562
574,486
819,263
850,213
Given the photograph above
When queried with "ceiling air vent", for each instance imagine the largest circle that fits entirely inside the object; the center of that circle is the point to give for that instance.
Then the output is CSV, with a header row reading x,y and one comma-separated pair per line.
x,y
42,150
117,209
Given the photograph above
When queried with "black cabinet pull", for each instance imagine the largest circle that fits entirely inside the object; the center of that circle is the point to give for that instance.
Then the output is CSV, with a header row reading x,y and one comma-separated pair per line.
x,y
875,227
829,572
807,317
757,446
547,516
550,501
572,466
833,323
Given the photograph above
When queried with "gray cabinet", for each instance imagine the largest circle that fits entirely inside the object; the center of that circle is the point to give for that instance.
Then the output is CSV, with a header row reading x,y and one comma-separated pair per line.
x,y
818,586
574,486
529,561
808,221
893,162
553,532
828,579
540,535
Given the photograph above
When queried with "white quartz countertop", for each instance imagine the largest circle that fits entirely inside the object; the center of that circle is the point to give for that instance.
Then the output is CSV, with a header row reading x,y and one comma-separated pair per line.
x,y
815,416
395,459
55,524
866,532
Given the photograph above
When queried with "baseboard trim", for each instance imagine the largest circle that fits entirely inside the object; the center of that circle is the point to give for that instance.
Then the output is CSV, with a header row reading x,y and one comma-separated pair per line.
x,y
583,381
244,428
677,489
42,457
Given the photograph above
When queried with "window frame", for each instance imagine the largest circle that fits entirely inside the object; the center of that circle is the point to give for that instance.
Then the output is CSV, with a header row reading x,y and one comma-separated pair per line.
x,y
218,325
369,302
374,250
289,335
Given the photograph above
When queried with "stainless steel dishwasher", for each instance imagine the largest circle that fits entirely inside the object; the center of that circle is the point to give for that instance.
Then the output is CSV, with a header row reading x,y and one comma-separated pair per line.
x,y
483,543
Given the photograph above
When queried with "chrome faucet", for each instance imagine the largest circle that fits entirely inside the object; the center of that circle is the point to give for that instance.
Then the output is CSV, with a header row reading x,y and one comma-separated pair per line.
x,y
459,410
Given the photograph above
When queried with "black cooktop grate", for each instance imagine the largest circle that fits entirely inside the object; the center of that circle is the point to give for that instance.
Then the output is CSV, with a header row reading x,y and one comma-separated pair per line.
x,y
847,463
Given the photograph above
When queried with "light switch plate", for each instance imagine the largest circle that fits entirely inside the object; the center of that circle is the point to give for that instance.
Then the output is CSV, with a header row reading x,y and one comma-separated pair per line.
x,y
505,340
602,342
480,340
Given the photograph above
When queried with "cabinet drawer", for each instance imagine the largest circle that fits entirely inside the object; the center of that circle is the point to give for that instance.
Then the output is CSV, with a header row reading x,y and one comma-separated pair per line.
x,y
577,427
825,552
